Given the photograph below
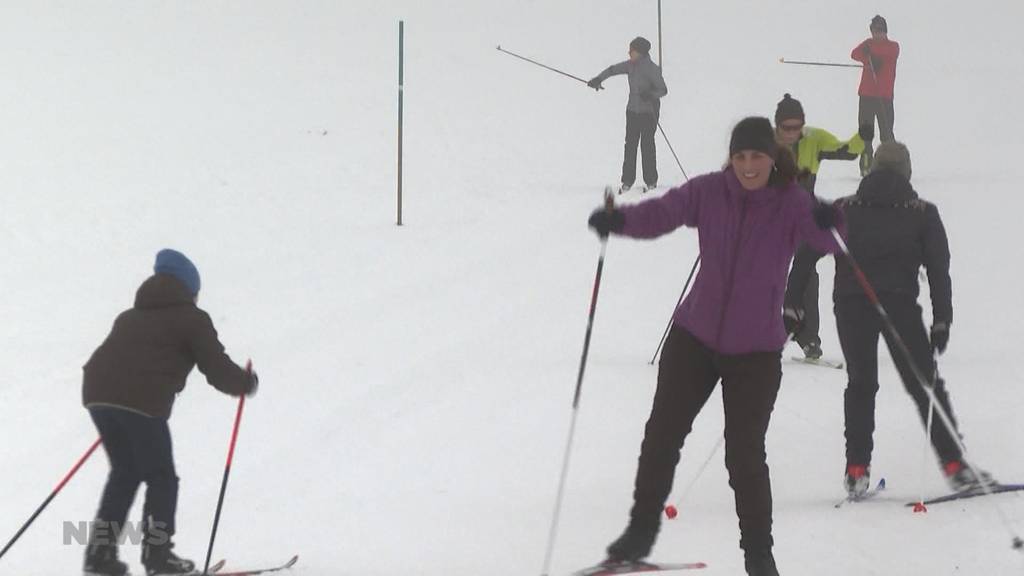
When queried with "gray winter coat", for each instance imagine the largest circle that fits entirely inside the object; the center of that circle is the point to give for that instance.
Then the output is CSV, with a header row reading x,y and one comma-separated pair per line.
x,y
646,84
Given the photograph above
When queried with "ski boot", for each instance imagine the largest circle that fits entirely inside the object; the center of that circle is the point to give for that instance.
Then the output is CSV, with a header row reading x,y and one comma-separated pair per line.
x,y
160,560
858,479
634,545
625,187
101,551
962,477
760,562
812,351
648,187
101,560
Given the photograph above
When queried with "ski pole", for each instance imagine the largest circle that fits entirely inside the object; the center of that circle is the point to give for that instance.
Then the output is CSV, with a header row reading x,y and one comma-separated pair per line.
x,y
925,383
609,198
672,510
227,472
832,64
673,150
668,327
545,66
882,112
60,486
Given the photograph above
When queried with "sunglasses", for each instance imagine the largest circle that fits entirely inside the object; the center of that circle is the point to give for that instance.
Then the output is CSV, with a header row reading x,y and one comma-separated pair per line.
x,y
791,127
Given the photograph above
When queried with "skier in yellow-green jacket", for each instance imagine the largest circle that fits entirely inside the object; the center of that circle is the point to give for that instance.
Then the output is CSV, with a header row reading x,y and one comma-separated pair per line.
x,y
810,146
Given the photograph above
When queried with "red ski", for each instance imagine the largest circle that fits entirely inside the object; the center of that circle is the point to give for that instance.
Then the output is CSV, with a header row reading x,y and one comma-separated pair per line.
x,y
254,572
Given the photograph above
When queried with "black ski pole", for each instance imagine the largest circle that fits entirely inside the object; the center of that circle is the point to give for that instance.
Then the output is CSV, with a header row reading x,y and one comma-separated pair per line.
x,y
227,472
53,494
695,262
609,199
545,66
882,112
925,382
673,150
668,327
832,64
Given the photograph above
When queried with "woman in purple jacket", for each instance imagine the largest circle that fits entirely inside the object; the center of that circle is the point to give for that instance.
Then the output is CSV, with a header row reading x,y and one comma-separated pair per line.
x,y
750,219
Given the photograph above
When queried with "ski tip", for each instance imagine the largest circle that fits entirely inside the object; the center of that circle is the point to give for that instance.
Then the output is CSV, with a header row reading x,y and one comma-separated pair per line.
x,y
292,562
881,484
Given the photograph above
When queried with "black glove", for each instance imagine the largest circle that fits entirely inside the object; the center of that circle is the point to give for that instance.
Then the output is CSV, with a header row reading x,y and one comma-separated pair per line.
x,y
254,384
940,337
867,131
793,320
605,221
825,215
595,83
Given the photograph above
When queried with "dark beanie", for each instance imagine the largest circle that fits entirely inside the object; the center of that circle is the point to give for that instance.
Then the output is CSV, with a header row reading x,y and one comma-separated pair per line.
x,y
789,108
753,133
176,264
641,45
879,23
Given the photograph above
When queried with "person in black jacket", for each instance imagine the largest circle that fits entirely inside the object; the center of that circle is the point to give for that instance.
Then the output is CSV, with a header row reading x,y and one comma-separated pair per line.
x,y
892,233
129,385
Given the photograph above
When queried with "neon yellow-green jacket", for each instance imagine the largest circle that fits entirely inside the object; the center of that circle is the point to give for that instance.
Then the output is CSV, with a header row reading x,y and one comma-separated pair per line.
x,y
816,144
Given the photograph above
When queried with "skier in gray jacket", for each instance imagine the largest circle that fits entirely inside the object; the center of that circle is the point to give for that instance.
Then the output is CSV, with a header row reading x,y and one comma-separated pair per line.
x,y
646,87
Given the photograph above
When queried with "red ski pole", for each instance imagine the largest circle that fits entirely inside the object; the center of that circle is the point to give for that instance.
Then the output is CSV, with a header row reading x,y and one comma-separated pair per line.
x,y
227,472
52,495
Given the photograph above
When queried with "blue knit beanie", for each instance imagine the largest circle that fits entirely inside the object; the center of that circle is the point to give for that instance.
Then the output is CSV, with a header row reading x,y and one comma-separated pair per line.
x,y
178,265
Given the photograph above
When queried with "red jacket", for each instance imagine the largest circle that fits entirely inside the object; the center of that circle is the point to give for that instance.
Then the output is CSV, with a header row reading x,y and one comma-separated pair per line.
x,y
878,79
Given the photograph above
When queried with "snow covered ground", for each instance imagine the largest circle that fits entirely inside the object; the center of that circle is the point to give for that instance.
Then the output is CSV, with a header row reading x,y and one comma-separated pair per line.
x,y
417,381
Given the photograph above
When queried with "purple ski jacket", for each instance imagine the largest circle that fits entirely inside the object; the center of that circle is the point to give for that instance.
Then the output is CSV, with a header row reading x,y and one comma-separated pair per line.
x,y
747,240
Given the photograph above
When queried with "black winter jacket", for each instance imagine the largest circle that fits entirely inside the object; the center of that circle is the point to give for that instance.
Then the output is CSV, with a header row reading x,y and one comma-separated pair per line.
x,y
892,233
143,363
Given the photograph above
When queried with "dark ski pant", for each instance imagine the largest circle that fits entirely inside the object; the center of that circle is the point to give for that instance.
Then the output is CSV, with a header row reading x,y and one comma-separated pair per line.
x,y
687,375
640,129
859,328
882,110
139,449
809,334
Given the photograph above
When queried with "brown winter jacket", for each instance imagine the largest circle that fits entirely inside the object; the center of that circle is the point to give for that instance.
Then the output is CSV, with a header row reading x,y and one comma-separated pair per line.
x,y
152,348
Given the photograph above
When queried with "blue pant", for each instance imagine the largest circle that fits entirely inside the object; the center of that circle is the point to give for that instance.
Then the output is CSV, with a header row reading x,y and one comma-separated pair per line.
x,y
139,449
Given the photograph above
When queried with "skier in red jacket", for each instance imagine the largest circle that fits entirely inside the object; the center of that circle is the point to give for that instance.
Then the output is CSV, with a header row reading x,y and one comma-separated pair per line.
x,y
878,54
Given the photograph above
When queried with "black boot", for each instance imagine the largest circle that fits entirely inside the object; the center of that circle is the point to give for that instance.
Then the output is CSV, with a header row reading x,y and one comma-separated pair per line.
x,y
634,544
760,562
160,559
101,553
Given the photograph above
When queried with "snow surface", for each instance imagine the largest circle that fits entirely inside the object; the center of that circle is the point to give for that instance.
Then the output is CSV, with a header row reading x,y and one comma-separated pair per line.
x,y
417,381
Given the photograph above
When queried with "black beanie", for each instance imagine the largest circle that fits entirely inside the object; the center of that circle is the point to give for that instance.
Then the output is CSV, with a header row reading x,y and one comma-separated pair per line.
x,y
641,45
879,23
789,108
753,133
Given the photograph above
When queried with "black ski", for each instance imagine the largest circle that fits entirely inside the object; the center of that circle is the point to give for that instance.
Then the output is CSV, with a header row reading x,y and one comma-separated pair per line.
x,y
865,496
822,362
613,568
972,493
